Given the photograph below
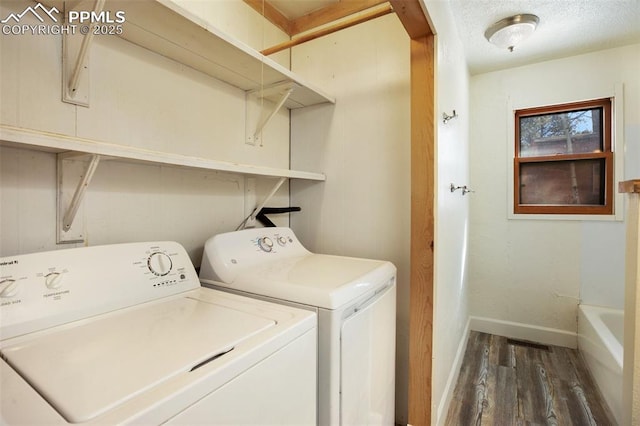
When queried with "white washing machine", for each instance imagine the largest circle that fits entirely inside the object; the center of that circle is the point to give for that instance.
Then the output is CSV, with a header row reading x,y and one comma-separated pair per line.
x,y
125,334
356,304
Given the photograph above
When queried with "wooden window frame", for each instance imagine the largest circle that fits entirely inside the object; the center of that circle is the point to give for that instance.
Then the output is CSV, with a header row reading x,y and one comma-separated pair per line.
x,y
606,155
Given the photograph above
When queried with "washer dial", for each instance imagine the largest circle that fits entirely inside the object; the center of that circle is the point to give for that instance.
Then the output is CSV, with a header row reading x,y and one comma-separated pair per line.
x,y
266,244
53,280
8,288
159,264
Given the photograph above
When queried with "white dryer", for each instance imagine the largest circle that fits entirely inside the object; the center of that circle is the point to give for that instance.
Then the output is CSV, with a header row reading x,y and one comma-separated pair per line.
x,y
125,334
356,304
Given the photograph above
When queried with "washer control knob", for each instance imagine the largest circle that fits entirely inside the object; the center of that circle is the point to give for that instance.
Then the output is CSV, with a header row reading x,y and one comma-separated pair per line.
x,y
282,240
53,280
159,264
8,288
266,244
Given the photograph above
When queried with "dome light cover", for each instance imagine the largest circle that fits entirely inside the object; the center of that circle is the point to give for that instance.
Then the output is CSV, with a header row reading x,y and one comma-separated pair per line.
x,y
510,31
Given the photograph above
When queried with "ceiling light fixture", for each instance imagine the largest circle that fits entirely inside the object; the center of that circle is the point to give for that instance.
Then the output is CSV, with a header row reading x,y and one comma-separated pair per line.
x,y
510,31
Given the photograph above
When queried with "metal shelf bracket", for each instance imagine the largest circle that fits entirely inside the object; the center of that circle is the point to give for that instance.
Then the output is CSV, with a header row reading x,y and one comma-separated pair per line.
x,y
67,209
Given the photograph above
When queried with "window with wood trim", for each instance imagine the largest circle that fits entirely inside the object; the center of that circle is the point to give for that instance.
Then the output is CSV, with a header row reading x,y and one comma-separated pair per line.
x,y
564,159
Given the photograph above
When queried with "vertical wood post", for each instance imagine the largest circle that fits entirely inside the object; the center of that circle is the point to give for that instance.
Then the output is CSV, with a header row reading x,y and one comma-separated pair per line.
x,y
422,229
631,367
414,19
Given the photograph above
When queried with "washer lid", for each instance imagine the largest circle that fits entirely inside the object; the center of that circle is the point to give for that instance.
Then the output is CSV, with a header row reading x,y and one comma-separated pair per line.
x,y
86,369
315,279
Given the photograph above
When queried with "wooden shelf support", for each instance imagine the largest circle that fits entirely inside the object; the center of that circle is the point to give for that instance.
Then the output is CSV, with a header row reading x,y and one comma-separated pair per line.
x,y
75,56
67,211
257,136
84,49
249,221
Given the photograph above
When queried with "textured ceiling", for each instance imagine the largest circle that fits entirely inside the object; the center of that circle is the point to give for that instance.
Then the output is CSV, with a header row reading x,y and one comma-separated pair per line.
x,y
566,28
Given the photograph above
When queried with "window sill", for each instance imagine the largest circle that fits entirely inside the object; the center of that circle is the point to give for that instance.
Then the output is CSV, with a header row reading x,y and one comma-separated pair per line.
x,y
574,217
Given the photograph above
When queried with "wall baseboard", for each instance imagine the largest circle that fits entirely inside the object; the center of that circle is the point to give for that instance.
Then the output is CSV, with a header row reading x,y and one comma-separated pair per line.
x,y
453,377
533,333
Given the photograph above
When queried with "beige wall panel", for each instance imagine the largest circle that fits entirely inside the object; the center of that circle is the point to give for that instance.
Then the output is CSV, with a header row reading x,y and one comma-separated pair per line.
x,y
362,144
27,201
31,76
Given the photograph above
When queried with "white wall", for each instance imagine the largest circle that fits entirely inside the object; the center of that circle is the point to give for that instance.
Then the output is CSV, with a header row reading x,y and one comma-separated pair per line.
x,y
363,145
140,99
452,210
534,272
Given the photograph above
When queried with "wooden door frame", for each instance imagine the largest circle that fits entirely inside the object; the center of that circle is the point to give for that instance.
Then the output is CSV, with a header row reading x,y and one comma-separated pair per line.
x,y
631,367
422,230
423,162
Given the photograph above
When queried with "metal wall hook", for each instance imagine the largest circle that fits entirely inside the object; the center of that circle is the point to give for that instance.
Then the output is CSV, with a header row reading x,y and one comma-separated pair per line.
x,y
465,189
446,117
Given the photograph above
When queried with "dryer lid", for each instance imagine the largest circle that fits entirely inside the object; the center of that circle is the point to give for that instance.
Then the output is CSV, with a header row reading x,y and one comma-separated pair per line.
x,y
315,279
88,368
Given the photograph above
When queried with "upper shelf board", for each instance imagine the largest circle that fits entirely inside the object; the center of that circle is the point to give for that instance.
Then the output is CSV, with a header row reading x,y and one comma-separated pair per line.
x,y
55,142
166,28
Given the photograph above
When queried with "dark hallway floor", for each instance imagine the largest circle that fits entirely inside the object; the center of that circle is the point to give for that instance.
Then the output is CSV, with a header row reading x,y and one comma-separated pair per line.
x,y
506,382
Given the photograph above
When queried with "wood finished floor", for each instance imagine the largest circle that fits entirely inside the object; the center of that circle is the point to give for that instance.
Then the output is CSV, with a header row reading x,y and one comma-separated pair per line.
x,y
506,384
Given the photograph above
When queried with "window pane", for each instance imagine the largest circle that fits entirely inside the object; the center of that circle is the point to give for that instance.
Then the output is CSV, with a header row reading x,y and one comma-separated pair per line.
x,y
577,182
570,132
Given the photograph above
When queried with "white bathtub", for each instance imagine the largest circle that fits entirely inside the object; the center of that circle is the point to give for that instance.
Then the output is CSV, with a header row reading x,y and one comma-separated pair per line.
x,y
600,340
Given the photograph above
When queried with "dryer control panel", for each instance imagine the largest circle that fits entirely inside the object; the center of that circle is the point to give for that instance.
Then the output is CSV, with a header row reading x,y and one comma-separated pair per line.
x,y
226,254
42,290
